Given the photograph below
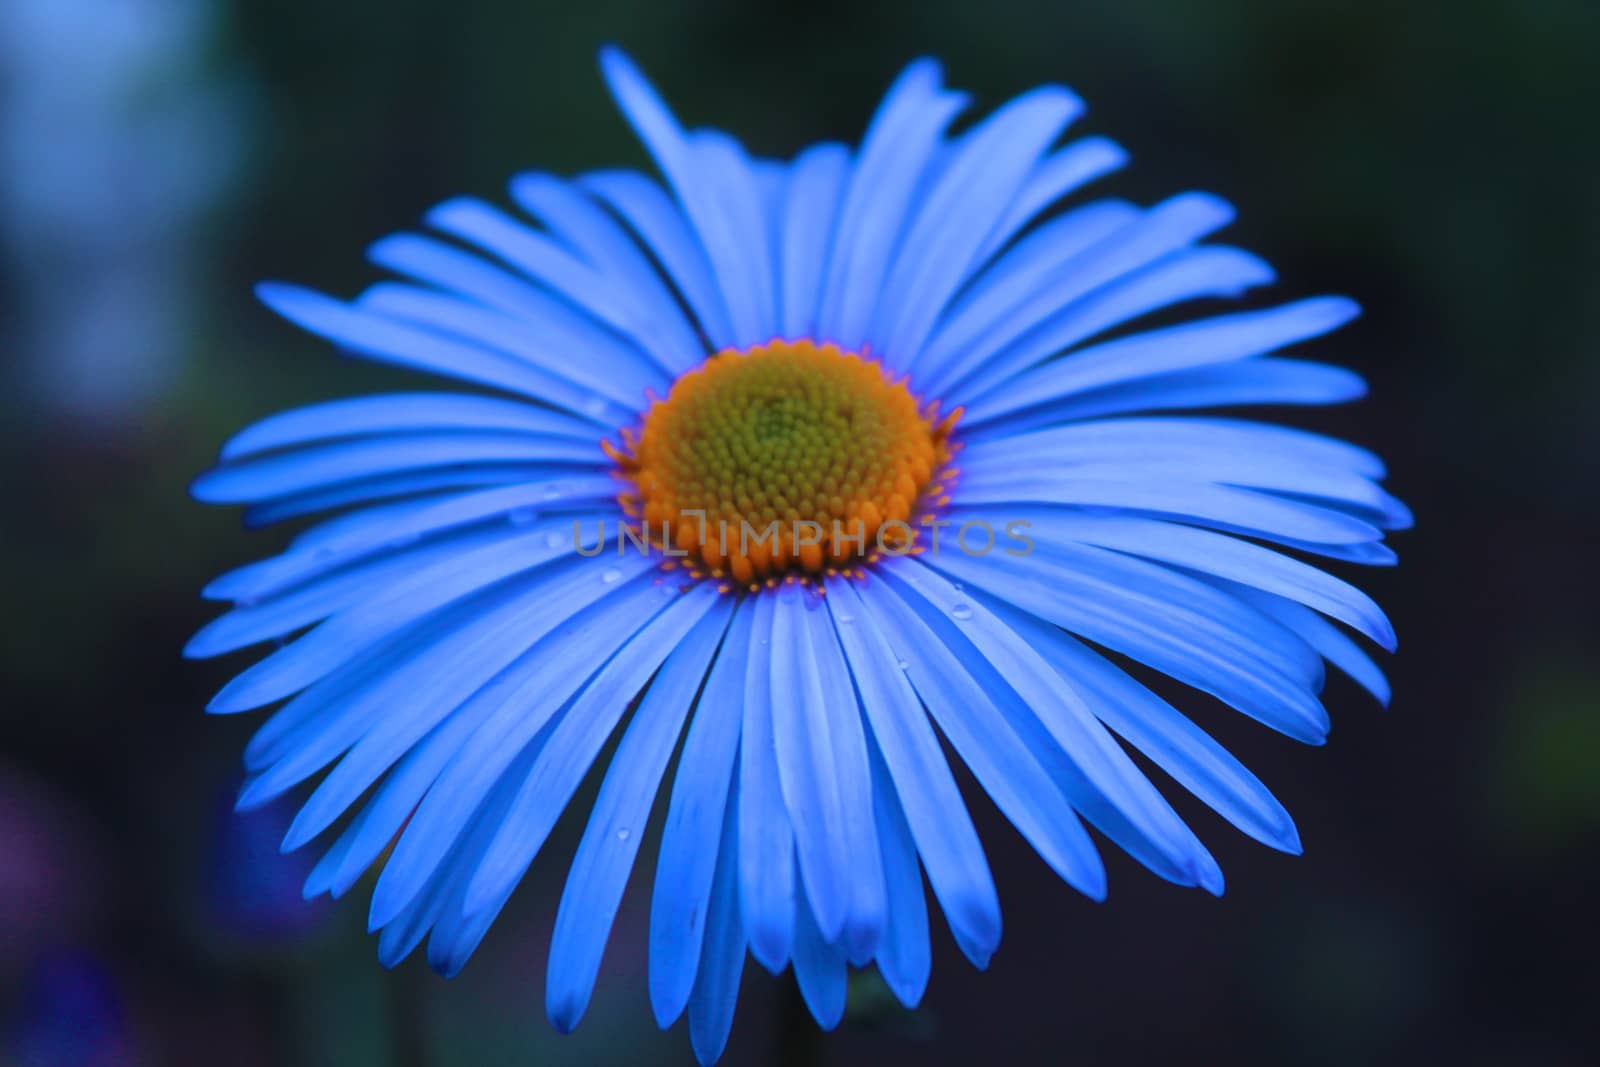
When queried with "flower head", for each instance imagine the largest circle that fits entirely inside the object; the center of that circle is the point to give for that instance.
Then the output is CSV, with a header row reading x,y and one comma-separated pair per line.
x,y
801,465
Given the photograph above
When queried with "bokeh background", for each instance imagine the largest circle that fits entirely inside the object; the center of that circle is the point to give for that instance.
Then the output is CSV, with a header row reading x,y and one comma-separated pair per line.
x,y
1436,160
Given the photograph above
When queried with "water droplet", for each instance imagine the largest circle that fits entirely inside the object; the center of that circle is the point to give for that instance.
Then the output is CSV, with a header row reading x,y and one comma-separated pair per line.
x,y
552,540
611,576
903,665
550,492
623,833
594,405
845,620
957,586
521,516
963,612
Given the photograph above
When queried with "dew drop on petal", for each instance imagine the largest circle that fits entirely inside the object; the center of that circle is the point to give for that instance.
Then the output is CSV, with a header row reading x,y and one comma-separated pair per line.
x,y
594,405
611,576
552,540
903,665
845,620
522,516
962,612
623,833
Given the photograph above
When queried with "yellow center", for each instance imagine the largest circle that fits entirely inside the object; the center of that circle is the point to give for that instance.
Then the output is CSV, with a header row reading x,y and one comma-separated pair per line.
x,y
788,455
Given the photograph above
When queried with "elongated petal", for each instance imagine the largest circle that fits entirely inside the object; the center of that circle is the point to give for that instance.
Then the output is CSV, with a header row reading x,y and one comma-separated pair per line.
x,y
973,191
650,212
716,987
934,811
577,739
766,837
1175,348
801,732
698,840
1008,772
616,825
812,200
399,413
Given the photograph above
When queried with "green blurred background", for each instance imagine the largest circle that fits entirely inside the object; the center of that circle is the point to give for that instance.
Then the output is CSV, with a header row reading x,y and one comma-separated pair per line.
x,y
1437,161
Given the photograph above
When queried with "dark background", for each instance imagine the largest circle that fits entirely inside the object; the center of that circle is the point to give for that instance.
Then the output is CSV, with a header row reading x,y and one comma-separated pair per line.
x,y
1435,160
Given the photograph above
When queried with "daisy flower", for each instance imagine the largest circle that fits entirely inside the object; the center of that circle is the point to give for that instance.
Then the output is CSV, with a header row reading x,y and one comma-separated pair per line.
x,y
815,473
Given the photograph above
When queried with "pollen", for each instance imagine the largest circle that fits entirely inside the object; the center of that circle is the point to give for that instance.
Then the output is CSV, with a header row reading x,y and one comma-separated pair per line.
x,y
789,458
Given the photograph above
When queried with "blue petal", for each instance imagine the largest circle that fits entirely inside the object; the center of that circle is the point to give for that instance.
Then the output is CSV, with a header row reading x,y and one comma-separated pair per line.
x,y
766,839
894,156
1190,274
616,826
1172,495
348,634
1226,557
716,987
453,937
1186,434
1220,339
819,968
811,210
600,239
388,488
905,957
303,469
690,840
1329,641
988,300
578,738
650,212
393,413
392,803
1157,617
1063,171
801,731
598,298
355,538
391,341
434,904
1322,486
714,226
331,707
423,690
401,689
1096,775
1041,276
485,286
1256,381
864,921
934,810
962,207
543,334
998,758
725,173
277,615
546,683
1165,735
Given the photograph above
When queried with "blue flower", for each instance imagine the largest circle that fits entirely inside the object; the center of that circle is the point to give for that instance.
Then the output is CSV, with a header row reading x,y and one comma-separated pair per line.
x,y
846,356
